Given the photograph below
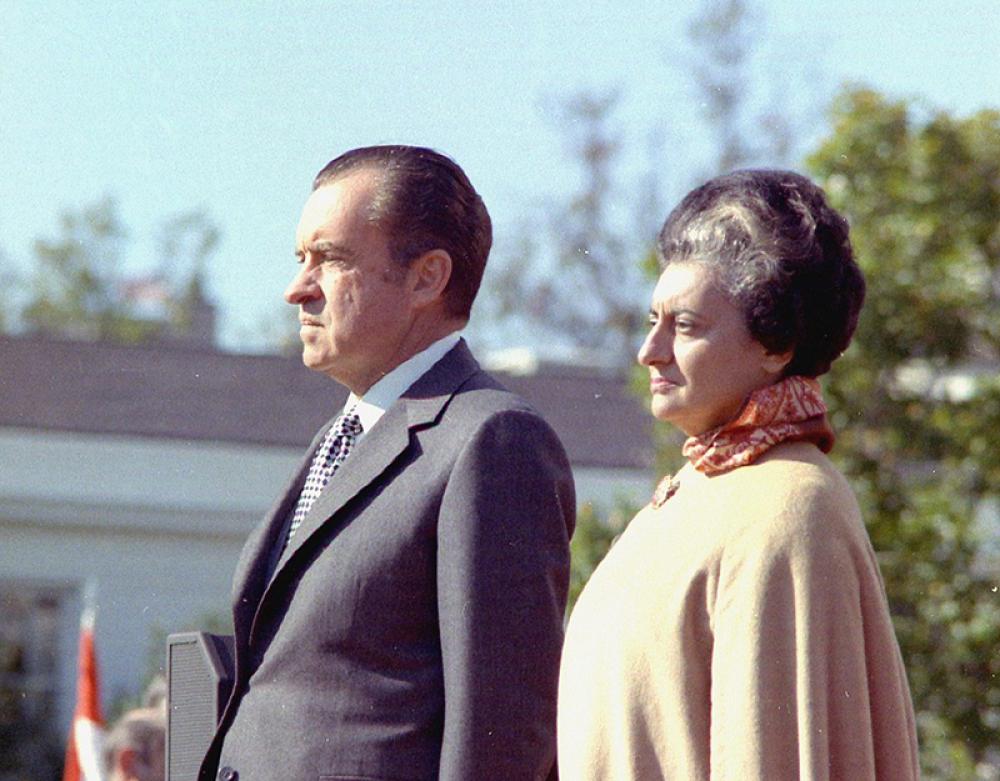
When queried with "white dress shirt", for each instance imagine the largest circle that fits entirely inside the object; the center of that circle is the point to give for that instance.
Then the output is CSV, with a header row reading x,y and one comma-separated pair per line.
x,y
383,394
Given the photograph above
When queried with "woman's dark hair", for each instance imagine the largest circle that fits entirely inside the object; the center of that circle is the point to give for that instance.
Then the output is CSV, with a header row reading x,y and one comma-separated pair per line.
x,y
779,251
424,201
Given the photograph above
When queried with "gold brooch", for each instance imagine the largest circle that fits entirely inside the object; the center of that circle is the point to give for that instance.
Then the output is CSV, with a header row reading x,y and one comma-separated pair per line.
x,y
666,488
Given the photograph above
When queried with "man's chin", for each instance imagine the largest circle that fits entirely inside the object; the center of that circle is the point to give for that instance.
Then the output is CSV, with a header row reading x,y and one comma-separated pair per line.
x,y
314,359
322,362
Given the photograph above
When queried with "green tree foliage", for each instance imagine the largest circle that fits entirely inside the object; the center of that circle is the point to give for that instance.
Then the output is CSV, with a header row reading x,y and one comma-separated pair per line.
x,y
78,290
186,242
594,534
916,400
568,277
8,281
73,289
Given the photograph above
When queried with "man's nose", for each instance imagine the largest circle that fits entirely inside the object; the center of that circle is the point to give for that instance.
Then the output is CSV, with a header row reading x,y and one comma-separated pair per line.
x,y
303,287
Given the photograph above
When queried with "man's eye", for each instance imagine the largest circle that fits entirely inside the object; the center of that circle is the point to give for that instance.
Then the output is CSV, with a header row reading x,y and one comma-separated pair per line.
x,y
684,326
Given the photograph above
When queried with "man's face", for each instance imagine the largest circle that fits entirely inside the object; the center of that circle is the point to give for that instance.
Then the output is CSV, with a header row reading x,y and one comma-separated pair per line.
x,y
353,299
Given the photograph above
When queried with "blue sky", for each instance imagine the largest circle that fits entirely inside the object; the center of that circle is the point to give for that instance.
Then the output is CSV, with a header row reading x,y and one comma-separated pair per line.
x,y
232,107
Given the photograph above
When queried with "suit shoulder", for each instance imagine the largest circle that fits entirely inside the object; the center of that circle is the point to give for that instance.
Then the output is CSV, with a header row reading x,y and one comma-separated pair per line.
x,y
485,396
483,414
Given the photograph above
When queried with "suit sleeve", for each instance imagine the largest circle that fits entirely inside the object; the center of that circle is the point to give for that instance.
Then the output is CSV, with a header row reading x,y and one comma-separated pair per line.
x,y
503,567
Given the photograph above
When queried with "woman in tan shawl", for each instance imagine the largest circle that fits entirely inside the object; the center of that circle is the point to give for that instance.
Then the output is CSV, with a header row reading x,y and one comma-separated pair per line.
x,y
739,628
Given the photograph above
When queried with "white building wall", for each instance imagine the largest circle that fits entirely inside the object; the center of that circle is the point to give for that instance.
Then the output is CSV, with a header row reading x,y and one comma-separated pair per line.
x,y
159,524
145,582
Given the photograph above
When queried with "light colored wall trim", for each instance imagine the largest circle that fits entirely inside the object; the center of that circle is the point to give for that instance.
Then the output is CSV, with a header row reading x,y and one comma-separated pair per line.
x,y
101,470
132,520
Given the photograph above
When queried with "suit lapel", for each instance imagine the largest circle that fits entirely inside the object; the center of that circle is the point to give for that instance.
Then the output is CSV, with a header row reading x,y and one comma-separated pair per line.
x,y
419,406
369,458
250,577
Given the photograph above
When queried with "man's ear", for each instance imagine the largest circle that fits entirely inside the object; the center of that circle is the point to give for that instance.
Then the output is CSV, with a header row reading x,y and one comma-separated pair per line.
x,y
429,275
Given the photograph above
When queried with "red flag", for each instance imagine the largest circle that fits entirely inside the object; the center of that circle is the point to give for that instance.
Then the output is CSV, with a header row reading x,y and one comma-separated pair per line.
x,y
83,751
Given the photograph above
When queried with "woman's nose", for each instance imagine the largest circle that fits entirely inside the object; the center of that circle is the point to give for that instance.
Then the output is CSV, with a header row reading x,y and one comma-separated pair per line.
x,y
655,347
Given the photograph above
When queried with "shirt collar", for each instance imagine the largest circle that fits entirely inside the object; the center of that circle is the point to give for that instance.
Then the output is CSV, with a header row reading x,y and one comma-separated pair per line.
x,y
384,393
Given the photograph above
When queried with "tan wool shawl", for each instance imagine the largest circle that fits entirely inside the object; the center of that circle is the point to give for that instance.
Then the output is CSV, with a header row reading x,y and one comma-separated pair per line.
x,y
740,631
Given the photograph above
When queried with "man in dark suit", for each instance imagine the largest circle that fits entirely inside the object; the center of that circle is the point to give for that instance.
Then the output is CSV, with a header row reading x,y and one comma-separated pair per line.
x,y
398,614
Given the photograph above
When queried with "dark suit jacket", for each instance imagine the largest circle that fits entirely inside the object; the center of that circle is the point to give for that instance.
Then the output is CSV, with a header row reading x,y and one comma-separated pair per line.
x,y
412,629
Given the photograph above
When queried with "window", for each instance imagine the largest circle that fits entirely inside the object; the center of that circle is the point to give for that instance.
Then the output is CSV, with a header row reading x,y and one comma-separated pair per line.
x,y
30,617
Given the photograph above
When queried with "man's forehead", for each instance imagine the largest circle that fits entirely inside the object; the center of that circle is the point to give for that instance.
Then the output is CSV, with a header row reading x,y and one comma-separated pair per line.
x,y
357,188
343,203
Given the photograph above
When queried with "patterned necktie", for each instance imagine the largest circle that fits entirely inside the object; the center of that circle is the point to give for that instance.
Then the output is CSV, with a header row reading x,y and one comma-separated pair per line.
x,y
334,448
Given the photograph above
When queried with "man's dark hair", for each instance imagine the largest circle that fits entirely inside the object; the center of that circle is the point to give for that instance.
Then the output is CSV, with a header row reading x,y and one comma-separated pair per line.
x,y
424,201
781,253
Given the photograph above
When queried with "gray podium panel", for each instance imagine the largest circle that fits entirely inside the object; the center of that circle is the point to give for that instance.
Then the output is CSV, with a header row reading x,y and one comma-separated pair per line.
x,y
199,679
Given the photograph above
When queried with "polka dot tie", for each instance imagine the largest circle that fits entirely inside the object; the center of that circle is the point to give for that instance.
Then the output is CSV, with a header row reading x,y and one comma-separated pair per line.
x,y
330,454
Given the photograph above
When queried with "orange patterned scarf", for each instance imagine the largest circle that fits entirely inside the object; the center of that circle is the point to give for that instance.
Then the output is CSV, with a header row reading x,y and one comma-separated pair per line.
x,y
788,411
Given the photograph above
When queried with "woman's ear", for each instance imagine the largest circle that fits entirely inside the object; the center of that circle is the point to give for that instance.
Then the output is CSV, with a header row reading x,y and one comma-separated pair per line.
x,y
775,363
429,275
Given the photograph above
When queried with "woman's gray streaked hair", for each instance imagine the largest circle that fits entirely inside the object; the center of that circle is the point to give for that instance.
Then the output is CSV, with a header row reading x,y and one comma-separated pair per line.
x,y
781,253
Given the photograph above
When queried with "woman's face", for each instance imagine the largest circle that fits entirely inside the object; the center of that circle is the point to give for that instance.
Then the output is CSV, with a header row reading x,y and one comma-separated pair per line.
x,y
702,361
